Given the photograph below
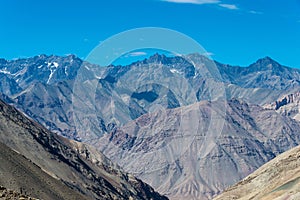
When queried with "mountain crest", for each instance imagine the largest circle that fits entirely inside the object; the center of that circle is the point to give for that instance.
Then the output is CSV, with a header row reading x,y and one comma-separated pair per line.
x,y
265,63
157,58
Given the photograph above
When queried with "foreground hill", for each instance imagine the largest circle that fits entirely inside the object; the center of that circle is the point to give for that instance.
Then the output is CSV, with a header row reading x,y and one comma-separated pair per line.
x,y
27,178
41,164
275,180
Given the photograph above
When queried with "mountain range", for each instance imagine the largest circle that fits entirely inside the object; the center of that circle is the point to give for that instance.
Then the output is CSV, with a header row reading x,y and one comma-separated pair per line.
x,y
55,85
178,123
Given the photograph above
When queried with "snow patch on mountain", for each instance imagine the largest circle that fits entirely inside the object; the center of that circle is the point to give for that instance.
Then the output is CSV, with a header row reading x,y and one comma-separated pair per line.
x,y
53,66
174,71
5,72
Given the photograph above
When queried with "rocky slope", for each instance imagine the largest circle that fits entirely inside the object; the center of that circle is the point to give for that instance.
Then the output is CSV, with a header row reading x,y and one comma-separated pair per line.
x,y
195,152
25,177
41,164
277,179
8,194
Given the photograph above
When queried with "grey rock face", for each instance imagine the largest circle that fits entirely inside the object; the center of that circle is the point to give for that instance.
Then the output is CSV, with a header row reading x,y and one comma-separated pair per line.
x,y
184,158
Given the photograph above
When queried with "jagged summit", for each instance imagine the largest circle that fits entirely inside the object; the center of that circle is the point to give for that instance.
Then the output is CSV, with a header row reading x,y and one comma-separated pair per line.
x,y
157,58
42,56
163,59
266,59
42,68
266,63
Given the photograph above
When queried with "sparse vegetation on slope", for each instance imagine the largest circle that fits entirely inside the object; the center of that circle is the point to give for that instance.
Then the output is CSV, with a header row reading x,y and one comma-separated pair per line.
x,y
277,179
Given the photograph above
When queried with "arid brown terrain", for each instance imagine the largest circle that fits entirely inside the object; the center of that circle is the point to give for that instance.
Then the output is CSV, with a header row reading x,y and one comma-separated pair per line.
x,y
278,179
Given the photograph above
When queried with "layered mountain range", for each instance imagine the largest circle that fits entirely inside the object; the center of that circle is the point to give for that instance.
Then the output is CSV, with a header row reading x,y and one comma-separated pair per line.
x,y
188,126
57,91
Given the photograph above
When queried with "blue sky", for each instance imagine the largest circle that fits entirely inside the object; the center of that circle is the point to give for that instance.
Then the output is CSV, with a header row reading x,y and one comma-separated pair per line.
x,y
234,32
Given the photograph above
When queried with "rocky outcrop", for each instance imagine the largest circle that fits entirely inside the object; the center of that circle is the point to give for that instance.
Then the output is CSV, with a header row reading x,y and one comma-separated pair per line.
x,y
288,105
8,194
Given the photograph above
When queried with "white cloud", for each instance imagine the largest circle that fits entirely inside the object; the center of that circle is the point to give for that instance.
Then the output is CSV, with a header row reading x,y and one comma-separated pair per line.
x,y
199,2
208,54
137,53
193,1
256,12
229,6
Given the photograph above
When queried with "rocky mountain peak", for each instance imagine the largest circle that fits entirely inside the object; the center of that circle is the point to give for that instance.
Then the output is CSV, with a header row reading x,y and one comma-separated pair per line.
x,y
165,60
43,68
266,63
41,56
266,59
157,58
2,61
